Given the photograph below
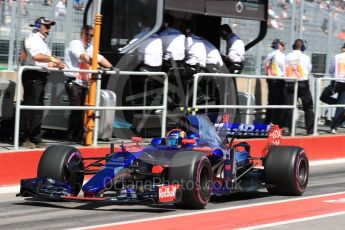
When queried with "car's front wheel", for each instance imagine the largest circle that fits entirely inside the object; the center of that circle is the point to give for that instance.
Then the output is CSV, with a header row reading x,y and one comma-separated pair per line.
x,y
64,164
192,170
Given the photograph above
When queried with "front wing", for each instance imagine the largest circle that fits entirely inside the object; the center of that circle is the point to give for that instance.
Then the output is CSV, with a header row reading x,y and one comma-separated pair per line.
x,y
50,189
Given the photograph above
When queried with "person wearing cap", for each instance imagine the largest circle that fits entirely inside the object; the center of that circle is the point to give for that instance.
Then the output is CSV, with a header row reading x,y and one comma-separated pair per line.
x,y
337,70
274,66
78,55
34,81
235,49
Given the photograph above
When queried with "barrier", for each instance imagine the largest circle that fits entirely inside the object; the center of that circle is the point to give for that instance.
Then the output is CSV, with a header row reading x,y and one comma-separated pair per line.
x,y
248,106
19,107
163,107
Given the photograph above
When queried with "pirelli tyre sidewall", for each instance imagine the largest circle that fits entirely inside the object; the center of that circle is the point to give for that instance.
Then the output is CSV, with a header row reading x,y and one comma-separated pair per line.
x,y
286,170
192,170
64,164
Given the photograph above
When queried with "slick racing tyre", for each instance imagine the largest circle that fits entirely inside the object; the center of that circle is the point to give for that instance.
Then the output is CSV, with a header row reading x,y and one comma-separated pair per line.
x,y
192,170
286,170
64,164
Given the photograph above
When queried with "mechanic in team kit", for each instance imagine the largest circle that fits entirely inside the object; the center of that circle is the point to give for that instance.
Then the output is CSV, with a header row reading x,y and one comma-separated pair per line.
x,y
79,56
195,52
34,81
275,66
214,61
235,49
298,65
173,41
150,51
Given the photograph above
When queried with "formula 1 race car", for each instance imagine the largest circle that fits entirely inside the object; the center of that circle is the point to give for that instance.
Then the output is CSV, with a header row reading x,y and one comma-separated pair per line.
x,y
194,161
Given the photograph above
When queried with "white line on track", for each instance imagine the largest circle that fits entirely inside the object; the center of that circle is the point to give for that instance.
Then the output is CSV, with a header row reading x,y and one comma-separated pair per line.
x,y
205,211
327,162
9,189
293,221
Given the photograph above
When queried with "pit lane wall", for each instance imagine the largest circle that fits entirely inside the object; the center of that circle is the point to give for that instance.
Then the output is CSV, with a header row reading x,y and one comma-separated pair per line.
x,y
16,165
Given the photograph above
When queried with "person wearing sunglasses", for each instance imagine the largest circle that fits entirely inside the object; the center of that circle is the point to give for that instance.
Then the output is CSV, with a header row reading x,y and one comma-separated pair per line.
x,y
37,53
78,55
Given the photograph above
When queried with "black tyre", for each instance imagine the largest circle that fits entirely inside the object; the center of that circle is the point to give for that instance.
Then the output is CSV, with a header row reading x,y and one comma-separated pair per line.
x,y
193,171
286,170
63,163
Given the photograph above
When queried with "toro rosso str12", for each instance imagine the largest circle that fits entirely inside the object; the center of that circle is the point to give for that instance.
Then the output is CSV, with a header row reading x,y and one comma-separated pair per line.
x,y
193,162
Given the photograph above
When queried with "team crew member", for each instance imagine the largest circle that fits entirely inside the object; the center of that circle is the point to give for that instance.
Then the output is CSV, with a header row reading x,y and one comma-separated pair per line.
x,y
275,66
337,70
34,81
214,61
150,51
235,49
298,65
79,56
195,52
149,57
173,42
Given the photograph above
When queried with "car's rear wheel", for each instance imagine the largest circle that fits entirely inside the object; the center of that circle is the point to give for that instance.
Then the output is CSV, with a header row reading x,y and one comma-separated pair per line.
x,y
286,170
64,164
192,170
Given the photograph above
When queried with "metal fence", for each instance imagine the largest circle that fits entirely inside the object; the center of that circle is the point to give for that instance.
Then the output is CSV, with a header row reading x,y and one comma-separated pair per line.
x,y
249,91
315,83
97,106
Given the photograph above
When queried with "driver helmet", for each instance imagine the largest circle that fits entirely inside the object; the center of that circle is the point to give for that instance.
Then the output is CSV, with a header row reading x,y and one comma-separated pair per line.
x,y
175,137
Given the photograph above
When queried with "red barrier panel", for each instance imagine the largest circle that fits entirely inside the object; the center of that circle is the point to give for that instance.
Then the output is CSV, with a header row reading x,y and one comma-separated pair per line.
x,y
16,165
23,164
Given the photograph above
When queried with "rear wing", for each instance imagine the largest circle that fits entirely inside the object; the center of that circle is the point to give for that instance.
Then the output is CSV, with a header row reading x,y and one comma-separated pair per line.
x,y
238,130
235,130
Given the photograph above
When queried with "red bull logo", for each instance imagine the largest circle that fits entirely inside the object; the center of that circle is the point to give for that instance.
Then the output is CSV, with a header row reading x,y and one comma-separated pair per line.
x,y
167,194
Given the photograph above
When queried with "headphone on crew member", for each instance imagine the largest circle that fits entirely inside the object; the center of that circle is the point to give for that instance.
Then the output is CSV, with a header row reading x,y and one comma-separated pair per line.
x,y
276,42
37,24
303,47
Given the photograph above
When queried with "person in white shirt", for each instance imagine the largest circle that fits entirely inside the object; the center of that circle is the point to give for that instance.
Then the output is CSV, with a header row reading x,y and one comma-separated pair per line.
x,y
78,55
173,42
275,66
298,65
150,59
214,61
37,53
195,59
60,8
337,70
235,49
195,53
150,51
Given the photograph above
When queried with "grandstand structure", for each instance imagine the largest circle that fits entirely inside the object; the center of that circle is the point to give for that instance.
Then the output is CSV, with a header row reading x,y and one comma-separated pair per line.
x,y
319,24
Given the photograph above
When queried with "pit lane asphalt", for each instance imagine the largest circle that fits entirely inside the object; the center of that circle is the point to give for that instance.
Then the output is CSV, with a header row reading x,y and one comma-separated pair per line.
x,y
27,213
